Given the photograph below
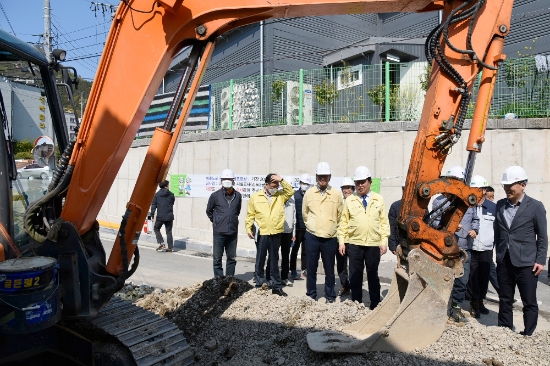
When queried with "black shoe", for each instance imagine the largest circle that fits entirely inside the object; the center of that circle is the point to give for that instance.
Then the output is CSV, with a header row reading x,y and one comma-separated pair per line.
x,y
168,250
456,315
278,291
329,301
344,291
474,309
482,309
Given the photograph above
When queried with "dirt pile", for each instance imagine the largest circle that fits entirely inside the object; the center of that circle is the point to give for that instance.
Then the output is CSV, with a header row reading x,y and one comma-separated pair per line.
x,y
227,322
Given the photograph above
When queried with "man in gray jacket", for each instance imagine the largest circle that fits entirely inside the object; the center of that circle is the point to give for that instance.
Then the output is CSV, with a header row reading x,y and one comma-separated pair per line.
x,y
467,231
482,251
521,245
223,209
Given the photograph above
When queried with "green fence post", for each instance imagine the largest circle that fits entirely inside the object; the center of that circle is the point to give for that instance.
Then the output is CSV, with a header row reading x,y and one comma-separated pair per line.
x,y
387,102
301,110
231,104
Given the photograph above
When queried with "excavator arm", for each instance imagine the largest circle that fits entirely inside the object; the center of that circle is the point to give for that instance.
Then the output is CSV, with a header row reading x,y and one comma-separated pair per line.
x,y
145,35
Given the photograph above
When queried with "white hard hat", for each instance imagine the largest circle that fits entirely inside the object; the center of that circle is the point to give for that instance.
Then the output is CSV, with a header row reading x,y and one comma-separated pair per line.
x,y
289,179
304,178
227,173
456,171
513,174
361,172
478,182
347,182
323,169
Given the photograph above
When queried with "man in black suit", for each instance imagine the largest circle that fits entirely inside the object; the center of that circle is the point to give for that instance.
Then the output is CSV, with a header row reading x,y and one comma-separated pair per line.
x,y
521,244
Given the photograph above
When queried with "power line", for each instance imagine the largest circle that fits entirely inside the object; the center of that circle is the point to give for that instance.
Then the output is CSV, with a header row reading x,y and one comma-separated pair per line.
x,y
93,35
6,16
73,44
81,29
91,45
84,57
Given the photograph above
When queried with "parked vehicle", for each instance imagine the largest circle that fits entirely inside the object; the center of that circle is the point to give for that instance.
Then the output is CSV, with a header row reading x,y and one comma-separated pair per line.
x,y
34,170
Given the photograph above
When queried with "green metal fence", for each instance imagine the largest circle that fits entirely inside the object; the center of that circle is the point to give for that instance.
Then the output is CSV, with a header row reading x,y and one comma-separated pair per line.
x,y
382,92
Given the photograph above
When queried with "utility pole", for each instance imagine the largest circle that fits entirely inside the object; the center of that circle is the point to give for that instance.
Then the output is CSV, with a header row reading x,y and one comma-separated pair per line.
x,y
47,30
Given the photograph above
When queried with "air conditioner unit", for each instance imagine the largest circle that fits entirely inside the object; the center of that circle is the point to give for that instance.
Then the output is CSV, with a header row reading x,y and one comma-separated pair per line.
x,y
246,104
293,103
224,108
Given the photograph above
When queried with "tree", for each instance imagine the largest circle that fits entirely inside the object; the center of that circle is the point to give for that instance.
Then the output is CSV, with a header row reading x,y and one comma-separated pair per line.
x,y
23,148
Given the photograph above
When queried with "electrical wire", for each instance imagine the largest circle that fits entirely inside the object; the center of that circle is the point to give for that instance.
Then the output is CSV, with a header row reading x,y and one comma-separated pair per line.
x,y
6,16
140,11
74,44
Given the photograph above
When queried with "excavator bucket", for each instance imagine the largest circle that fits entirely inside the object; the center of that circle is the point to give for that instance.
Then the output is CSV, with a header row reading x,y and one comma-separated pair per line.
x,y
412,315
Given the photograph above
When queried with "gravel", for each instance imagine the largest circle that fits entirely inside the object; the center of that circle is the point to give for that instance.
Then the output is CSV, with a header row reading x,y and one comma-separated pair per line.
x,y
228,322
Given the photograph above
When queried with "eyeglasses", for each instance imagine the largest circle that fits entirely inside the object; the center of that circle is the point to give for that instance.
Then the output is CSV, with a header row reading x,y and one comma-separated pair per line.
x,y
508,186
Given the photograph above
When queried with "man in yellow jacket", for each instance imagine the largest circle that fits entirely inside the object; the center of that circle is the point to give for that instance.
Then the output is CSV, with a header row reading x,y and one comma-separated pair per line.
x,y
365,226
267,208
321,210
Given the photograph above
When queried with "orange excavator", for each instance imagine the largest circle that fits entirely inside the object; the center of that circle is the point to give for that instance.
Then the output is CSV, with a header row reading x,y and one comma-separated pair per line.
x,y
61,282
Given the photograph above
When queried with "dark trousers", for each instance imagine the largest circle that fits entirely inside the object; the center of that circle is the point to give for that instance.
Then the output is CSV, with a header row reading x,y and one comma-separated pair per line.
x,y
480,268
286,241
493,275
360,257
300,234
168,227
326,247
508,277
229,244
460,285
342,267
268,244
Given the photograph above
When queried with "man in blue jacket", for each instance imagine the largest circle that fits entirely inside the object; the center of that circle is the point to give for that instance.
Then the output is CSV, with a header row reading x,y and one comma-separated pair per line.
x,y
163,203
521,242
467,231
223,209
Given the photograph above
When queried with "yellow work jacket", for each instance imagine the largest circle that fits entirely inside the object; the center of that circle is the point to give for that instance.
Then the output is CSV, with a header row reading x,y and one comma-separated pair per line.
x,y
270,217
360,226
322,213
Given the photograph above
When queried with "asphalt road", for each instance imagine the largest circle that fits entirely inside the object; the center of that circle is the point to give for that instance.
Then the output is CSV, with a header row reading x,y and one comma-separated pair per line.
x,y
184,268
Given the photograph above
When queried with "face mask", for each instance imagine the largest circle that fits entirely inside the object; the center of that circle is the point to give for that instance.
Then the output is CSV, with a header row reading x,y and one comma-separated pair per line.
x,y
304,187
272,191
227,184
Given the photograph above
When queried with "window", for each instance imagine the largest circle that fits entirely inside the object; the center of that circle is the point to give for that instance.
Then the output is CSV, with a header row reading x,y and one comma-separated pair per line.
x,y
350,76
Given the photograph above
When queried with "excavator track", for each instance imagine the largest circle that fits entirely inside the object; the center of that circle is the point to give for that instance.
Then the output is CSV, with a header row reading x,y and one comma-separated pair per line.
x,y
151,338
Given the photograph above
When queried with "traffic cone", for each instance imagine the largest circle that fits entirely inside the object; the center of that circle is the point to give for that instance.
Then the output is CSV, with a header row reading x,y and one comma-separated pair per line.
x,y
145,229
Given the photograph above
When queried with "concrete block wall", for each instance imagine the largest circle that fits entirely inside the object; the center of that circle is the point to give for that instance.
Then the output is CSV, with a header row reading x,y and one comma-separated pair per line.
x,y
384,147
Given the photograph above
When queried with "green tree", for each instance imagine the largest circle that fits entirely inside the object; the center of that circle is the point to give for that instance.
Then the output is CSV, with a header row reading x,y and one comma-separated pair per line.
x,y
80,95
23,148
325,94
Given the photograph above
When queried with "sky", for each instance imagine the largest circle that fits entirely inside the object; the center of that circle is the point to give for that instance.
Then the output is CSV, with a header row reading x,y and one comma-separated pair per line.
x,y
76,27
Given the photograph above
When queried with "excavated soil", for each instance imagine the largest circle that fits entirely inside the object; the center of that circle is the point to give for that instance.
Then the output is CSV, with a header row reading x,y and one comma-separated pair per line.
x,y
227,322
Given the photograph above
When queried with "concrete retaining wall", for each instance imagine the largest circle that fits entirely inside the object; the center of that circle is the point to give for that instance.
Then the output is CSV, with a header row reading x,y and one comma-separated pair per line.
x,y
384,147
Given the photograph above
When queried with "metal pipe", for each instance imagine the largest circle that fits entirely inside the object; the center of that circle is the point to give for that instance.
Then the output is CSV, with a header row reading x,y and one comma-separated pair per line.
x,y
469,170
261,72
182,87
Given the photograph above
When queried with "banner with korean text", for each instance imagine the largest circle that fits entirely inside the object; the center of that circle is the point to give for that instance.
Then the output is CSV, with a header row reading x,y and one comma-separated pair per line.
x,y
202,185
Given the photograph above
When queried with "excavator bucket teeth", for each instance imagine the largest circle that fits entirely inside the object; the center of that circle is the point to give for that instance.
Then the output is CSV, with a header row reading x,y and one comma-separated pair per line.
x,y
412,315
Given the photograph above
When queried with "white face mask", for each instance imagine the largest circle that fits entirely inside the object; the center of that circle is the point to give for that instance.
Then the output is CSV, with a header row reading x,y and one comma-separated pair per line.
x,y
227,184
304,187
272,191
